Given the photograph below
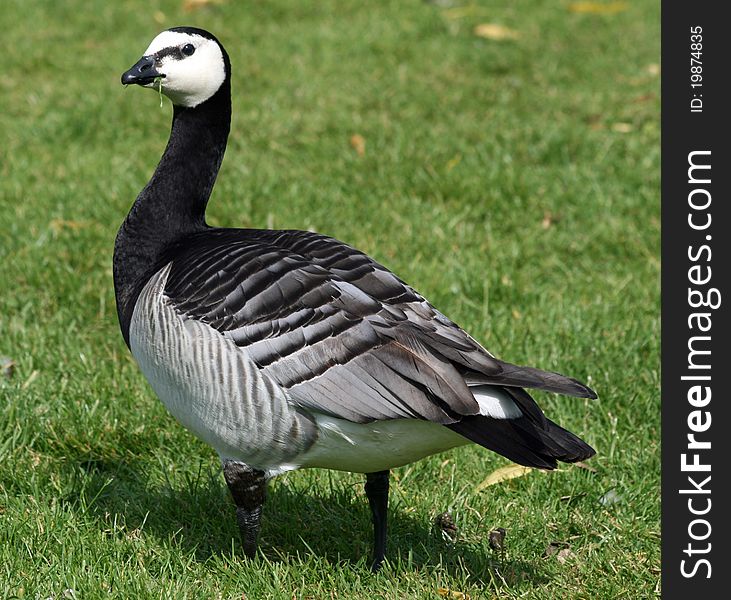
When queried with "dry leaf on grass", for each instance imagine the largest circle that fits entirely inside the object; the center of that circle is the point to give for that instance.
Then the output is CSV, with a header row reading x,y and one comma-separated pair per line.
x,y
561,550
549,219
494,31
643,98
58,225
598,8
357,143
622,127
447,593
503,474
564,555
553,548
454,161
191,5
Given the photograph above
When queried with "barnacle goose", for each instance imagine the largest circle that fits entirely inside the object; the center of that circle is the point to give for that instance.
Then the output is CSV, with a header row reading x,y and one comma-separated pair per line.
x,y
290,349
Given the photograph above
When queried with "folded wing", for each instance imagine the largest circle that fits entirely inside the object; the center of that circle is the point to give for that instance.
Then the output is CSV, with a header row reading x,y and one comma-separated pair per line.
x,y
348,338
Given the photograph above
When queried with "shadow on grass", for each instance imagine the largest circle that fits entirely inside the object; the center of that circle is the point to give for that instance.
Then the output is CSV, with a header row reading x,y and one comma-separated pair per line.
x,y
335,526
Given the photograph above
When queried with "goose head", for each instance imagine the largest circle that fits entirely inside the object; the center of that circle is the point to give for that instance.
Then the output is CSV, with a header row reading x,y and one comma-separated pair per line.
x,y
188,64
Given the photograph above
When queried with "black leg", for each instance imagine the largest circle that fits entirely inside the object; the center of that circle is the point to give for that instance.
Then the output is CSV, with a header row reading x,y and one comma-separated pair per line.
x,y
376,489
248,487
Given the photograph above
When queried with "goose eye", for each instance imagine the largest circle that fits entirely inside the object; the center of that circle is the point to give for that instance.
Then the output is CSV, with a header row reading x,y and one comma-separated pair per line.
x,y
188,49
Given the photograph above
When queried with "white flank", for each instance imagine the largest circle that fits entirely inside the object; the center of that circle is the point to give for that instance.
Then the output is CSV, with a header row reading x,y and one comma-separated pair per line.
x,y
212,387
368,447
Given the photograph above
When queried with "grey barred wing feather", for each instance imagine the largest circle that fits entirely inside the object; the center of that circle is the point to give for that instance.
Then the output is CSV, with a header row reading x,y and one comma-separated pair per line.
x,y
340,332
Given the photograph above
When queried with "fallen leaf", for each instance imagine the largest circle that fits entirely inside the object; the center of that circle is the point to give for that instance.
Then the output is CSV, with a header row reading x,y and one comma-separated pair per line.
x,y
553,548
357,143
454,161
622,127
564,555
59,225
653,69
191,5
595,123
598,8
447,593
503,474
549,219
643,98
494,31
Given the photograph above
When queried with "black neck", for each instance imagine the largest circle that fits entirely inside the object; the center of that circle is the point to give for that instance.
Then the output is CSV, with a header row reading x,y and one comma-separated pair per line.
x,y
173,203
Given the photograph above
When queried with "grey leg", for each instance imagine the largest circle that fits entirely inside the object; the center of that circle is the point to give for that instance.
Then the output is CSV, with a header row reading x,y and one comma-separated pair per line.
x,y
376,489
248,487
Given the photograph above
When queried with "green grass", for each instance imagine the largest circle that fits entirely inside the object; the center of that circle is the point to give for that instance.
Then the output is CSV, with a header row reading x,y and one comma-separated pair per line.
x,y
514,183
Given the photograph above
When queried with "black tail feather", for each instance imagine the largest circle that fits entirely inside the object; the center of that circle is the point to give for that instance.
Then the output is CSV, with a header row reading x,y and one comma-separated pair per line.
x,y
526,440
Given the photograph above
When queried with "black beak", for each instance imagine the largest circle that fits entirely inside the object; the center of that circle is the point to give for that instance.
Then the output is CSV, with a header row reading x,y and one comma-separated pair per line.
x,y
142,73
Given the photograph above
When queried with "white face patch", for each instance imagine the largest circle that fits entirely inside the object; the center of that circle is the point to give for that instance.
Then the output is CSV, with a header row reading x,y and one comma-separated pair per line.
x,y
189,80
